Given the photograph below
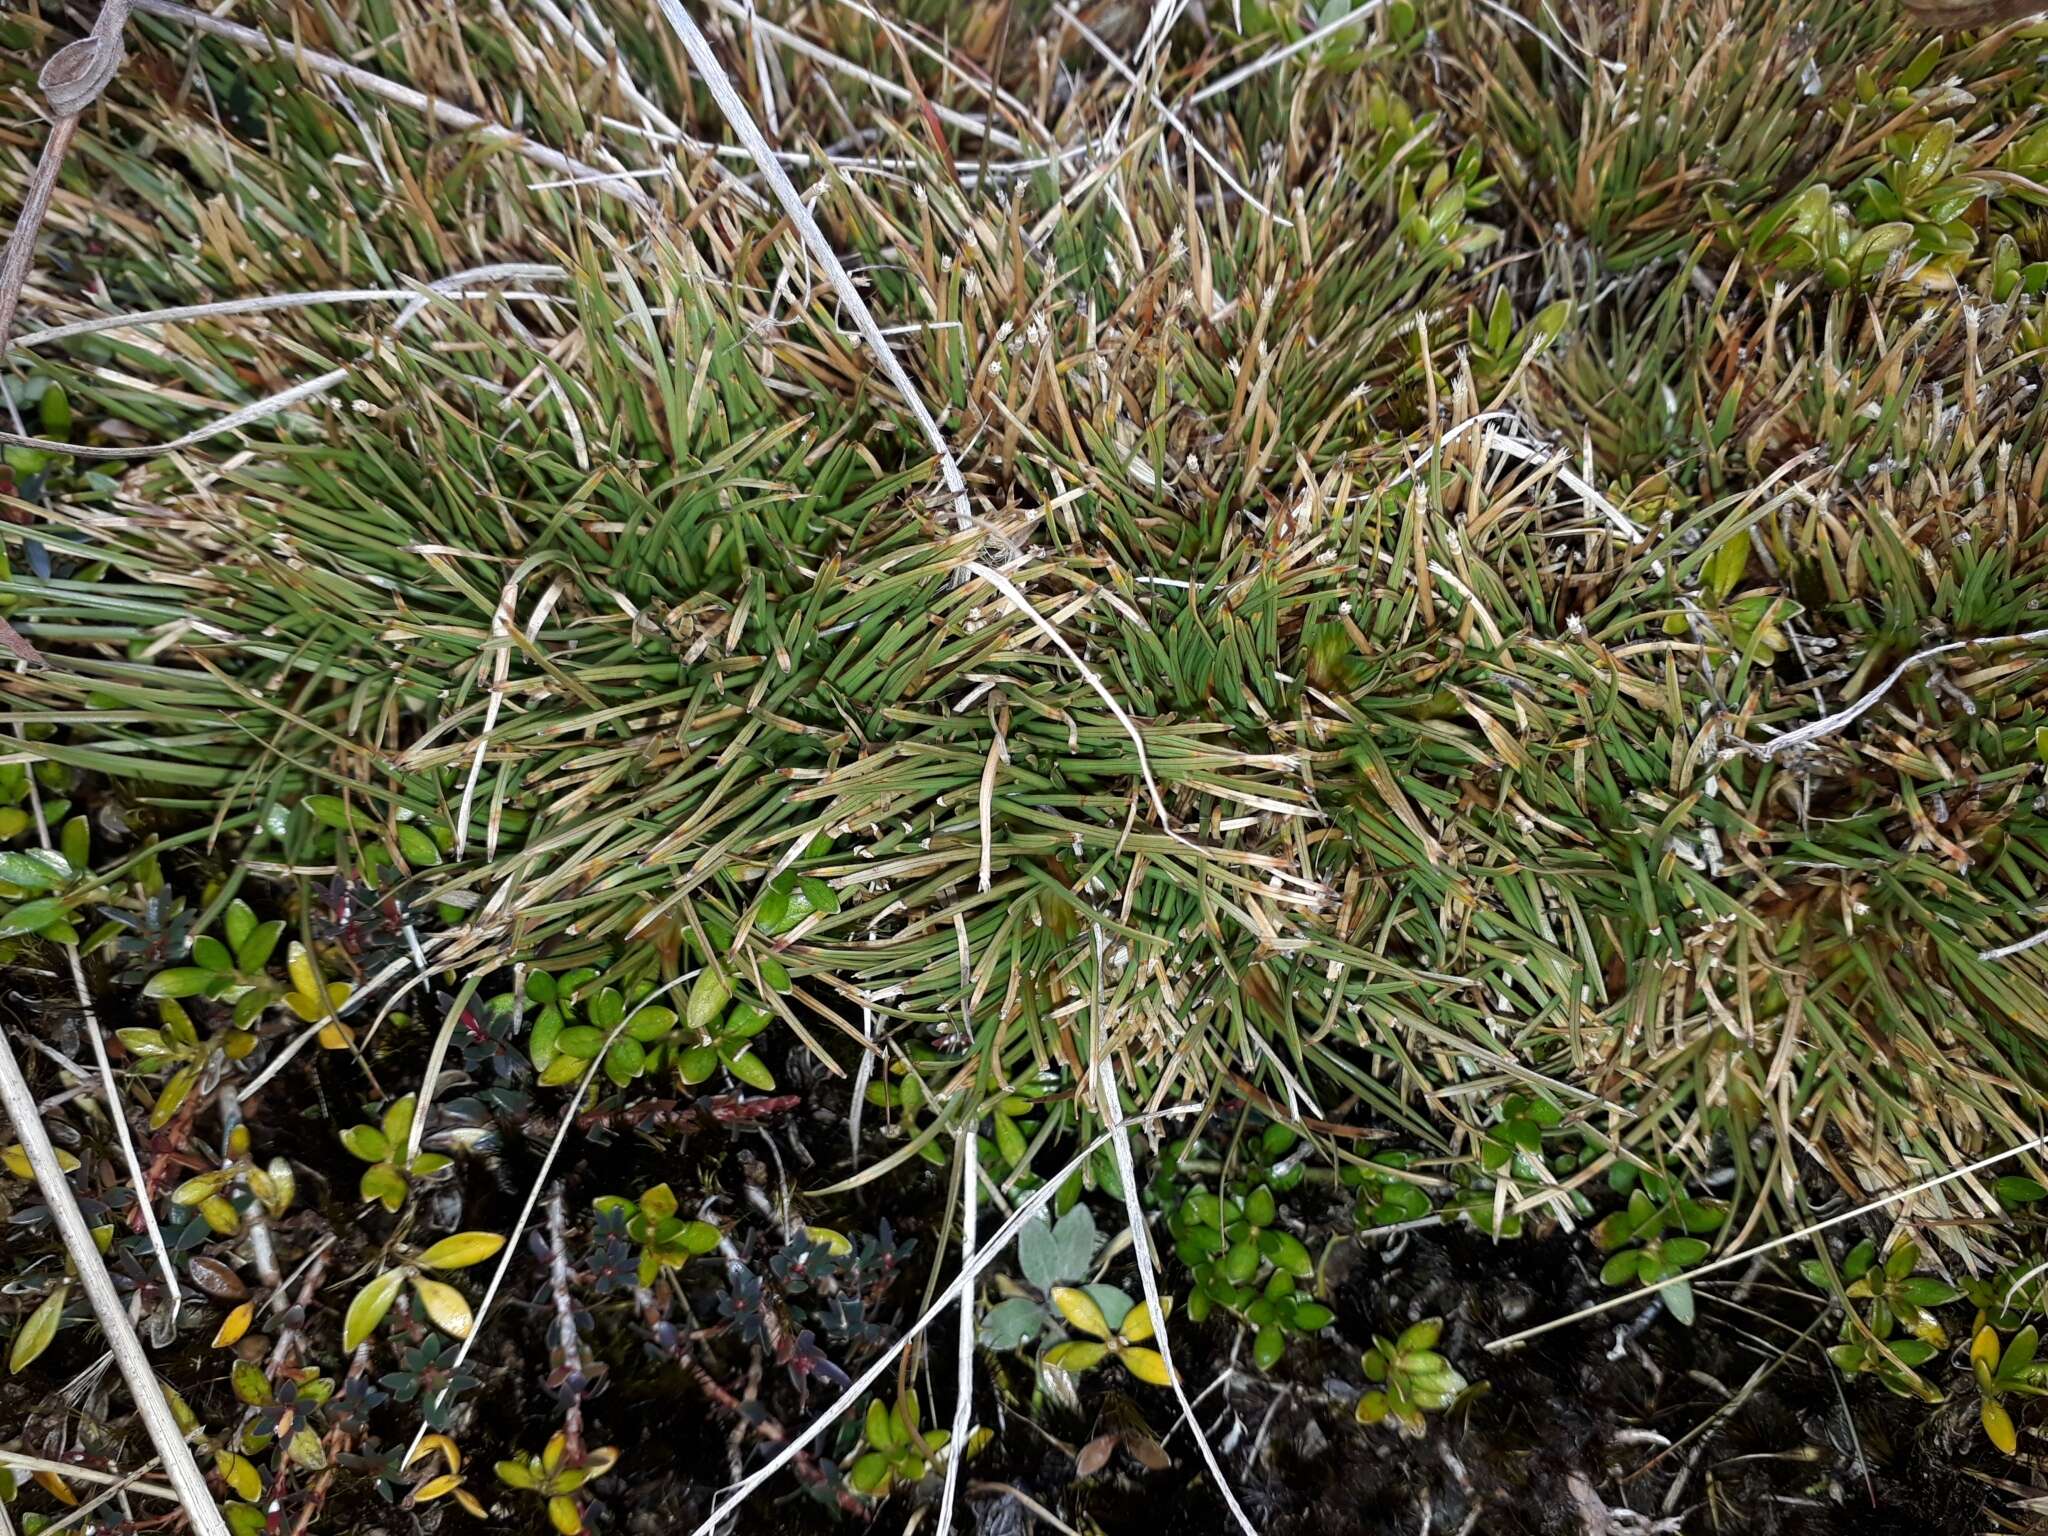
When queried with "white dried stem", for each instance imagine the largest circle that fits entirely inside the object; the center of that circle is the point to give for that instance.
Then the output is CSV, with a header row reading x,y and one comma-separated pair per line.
x,y
115,1328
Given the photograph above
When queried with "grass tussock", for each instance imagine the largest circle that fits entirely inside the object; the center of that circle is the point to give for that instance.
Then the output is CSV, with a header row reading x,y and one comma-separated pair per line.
x,y
1450,760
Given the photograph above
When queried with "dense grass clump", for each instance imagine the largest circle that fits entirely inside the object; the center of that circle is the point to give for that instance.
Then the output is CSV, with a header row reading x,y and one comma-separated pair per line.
x,y
1413,486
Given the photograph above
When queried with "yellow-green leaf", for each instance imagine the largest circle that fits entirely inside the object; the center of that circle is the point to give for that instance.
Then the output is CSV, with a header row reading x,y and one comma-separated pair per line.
x,y
658,1203
311,999
751,1070
36,869
33,917
37,1332
708,995
234,1325
871,1475
200,1187
434,1487
1985,1348
1147,1365
172,1099
304,1448
240,1474
1076,1355
298,965
1079,1308
429,1444
284,1187
333,1036
181,1411
239,921
1010,1141
909,1414
563,1069
445,1305
382,1182
369,1307
461,1250
881,1427
396,1126
1139,1325
1726,565
564,1516
17,1161
250,1384
1998,1425
418,848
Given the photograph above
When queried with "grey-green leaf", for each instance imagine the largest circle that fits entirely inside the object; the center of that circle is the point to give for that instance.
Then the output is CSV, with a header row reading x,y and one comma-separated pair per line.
x,y
1060,1254
1011,1324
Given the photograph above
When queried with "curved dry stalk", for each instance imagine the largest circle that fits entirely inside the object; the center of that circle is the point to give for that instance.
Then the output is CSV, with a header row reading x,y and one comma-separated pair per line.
x,y
449,287
21,246
963,1401
109,1091
184,1474
437,1054
132,1481
1842,719
70,82
442,112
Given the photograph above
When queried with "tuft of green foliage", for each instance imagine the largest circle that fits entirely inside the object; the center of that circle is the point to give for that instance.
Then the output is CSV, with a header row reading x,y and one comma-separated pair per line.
x,y
679,644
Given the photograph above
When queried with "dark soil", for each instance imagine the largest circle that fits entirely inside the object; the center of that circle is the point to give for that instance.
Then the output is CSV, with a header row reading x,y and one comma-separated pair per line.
x,y
1734,1425
1622,1424
1628,1423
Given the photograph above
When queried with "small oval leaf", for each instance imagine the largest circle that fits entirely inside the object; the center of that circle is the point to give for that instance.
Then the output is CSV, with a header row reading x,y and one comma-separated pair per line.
x,y
1149,1365
234,1325
1079,1309
369,1307
461,1250
447,1306
37,1332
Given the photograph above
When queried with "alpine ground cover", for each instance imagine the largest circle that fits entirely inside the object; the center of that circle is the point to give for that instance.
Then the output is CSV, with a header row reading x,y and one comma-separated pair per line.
x,y
1481,682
